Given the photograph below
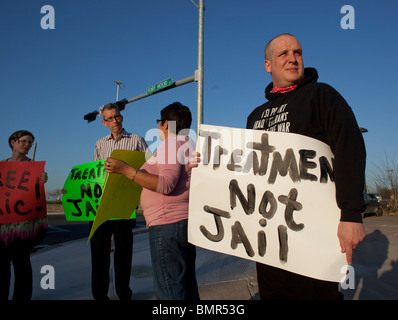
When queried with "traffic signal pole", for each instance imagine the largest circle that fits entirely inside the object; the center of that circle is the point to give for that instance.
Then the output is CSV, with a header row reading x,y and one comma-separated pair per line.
x,y
199,71
197,77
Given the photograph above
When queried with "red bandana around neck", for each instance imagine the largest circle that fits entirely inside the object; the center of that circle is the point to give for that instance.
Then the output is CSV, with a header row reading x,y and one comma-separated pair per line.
x,y
276,89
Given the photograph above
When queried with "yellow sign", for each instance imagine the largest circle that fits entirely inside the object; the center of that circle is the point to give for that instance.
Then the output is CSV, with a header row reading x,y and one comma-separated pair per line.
x,y
120,196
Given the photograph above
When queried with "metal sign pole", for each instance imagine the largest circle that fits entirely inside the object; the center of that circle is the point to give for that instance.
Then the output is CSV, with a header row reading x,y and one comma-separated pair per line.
x,y
173,85
199,71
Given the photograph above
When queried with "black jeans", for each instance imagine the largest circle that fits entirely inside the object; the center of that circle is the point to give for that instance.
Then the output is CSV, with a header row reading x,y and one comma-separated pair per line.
x,y
18,253
278,284
100,258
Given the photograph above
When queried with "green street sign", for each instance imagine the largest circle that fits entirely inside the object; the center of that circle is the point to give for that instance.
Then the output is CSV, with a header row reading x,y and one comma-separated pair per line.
x,y
159,86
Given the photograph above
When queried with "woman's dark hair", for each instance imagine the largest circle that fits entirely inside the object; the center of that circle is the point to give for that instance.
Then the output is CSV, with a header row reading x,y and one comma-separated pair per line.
x,y
178,113
18,134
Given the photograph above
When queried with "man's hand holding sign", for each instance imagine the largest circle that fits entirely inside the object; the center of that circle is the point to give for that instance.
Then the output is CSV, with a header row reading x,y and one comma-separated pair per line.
x,y
350,235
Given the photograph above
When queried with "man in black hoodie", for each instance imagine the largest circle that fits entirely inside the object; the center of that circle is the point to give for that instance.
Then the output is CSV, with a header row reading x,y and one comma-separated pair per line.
x,y
299,104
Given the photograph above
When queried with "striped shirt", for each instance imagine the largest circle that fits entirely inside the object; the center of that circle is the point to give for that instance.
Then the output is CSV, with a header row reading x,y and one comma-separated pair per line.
x,y
126,141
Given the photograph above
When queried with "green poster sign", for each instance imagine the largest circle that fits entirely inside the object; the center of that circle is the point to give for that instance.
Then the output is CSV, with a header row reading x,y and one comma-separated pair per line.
x,y
84,188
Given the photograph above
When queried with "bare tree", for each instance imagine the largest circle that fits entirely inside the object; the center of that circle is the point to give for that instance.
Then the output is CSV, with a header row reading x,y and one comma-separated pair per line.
x,y
54,194
383,179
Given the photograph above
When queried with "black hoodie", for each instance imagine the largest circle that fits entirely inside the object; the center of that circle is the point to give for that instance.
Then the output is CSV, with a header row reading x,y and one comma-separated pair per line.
x,y
318,111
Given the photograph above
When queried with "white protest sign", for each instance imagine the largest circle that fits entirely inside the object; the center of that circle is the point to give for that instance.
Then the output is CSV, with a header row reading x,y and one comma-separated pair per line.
x,y
268,197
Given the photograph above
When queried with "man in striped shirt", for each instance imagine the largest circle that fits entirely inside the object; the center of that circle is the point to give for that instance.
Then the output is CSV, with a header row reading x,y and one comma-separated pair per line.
x,y
121,230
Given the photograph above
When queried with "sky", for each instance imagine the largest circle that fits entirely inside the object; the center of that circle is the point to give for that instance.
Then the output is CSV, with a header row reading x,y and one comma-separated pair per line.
x,y
51,78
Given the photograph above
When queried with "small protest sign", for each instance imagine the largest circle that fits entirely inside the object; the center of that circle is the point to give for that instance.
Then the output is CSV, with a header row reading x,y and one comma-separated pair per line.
x,y
22,195
84,187
268,197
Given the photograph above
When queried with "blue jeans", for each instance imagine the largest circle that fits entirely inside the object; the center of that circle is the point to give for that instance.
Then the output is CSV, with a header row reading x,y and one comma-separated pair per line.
x,y
173,262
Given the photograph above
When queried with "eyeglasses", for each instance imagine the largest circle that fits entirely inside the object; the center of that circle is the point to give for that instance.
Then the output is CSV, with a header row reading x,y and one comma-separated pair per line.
x,y
157,121
117,118
29,142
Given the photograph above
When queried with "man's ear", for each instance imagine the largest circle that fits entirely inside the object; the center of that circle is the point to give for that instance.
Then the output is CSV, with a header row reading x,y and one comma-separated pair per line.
x,y
267,65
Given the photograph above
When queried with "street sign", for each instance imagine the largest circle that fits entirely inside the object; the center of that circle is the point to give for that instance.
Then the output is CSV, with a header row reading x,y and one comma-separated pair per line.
x,y
159,86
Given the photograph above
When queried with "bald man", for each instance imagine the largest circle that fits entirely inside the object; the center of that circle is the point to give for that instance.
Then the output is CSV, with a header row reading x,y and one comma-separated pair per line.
x,y
318,111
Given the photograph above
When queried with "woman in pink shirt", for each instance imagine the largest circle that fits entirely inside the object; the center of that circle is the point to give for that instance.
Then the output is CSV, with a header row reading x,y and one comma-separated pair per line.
x,y
165,179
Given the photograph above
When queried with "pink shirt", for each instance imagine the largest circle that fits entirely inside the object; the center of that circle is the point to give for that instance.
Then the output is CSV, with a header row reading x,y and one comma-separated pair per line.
x,y
170,202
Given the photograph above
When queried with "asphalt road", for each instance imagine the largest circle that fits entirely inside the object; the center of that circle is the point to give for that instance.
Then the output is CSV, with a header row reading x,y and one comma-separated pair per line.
x,y
60,230
375,260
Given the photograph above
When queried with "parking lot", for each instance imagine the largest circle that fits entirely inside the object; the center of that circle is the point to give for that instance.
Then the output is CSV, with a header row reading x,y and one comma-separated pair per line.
x,y
375,261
